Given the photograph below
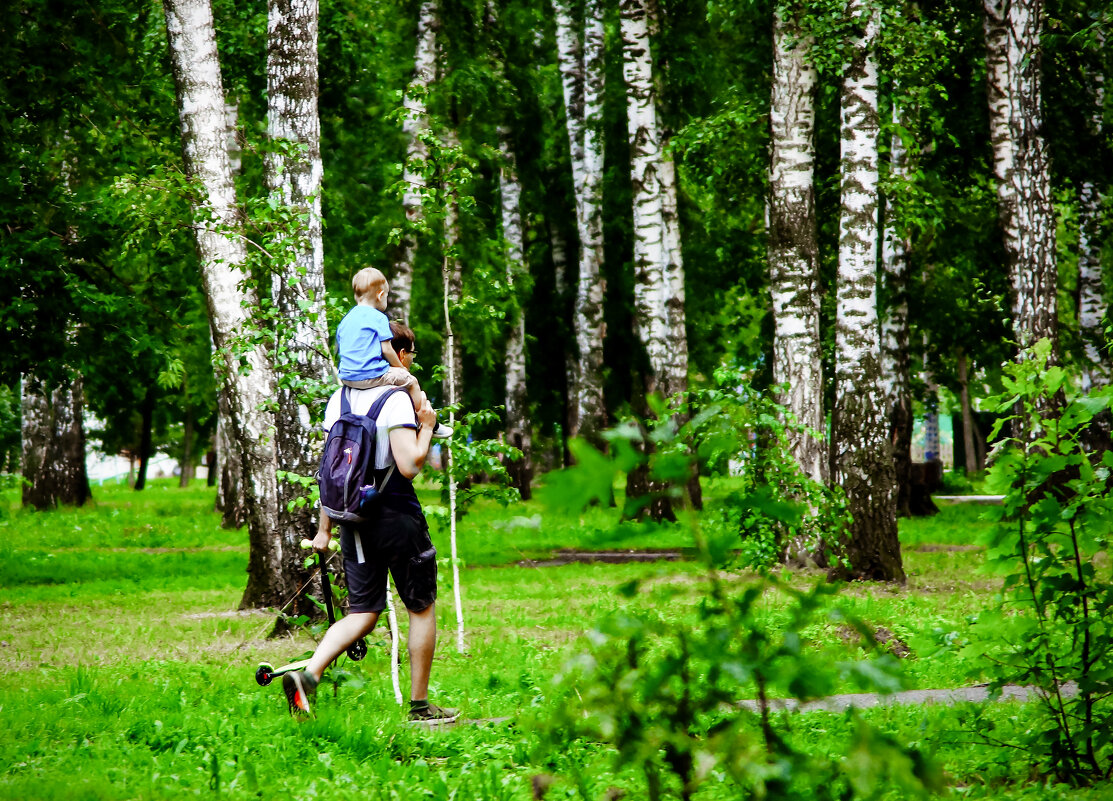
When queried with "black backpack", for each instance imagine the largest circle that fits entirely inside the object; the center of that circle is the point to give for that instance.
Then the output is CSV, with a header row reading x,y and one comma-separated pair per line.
x,y
346,478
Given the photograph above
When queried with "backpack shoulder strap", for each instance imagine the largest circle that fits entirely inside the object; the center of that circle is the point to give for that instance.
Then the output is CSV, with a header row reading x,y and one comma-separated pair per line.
x,y
345,401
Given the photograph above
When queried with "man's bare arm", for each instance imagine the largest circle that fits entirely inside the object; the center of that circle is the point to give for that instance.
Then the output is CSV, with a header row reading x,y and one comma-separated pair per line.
x,y
410,447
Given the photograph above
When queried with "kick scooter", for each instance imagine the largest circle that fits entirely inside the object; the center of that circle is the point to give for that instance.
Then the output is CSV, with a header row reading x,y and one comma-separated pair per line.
x,y
266,672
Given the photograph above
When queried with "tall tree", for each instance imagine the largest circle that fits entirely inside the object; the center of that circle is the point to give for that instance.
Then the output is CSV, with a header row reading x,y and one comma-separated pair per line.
x,y
794,282
1020,165
414,123
861,460
247,377
896,362
658,265
302,357
517,406
580,54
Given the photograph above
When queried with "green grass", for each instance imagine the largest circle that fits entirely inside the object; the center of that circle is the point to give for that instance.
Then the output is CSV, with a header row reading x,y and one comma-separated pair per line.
x,y
128,672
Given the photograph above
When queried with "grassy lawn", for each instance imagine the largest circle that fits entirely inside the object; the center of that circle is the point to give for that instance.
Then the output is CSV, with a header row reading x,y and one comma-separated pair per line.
x,y
128,672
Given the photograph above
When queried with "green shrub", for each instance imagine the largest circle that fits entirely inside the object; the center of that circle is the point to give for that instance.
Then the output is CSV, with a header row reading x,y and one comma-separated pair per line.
x,y
665,695
1054,627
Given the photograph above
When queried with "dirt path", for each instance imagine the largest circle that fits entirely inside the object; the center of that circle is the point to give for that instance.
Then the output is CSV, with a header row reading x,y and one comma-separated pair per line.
x,y
977,694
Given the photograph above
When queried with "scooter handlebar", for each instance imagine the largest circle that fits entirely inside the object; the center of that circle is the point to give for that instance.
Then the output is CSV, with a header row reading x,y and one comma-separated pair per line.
x,y
333,545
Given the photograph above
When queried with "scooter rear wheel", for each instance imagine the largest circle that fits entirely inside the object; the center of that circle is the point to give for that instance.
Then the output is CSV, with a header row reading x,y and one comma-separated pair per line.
x,y
357,650
264,675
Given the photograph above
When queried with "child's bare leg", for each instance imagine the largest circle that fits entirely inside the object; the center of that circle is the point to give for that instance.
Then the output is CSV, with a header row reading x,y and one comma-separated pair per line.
x,y
416,395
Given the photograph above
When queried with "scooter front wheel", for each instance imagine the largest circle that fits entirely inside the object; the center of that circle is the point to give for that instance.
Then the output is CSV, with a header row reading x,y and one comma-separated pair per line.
x,y
264,675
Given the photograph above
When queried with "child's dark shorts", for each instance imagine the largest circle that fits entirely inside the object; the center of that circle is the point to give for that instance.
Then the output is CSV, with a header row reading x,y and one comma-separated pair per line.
x,y
394,541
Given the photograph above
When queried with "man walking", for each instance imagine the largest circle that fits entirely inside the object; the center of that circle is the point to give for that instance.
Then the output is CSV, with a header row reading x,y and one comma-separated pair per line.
x,y
395,540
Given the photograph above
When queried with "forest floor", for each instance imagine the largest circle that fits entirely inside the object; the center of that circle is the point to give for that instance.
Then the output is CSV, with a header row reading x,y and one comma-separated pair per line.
x,y
127,670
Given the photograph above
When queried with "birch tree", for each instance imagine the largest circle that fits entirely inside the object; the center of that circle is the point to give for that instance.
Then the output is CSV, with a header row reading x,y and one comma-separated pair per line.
x,y
658,266
517,409
220,244
580,56
415,122
861,461
896,364
1091,304
293,173
53,434
1020,165
793,252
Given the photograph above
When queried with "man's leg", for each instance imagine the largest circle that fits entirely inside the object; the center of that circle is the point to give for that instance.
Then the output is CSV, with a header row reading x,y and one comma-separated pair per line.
x,y
422,641
339,636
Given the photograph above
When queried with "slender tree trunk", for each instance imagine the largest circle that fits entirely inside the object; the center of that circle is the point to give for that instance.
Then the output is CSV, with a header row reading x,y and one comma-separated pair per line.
x,y
675,304
185,464
862,462
895,359
53,455
793,251
967,413
1092,308
560,287
451,277
454,289
1091,302
146,423
658,265
293,172
414,124
517,406
582,75
1020,164
220,244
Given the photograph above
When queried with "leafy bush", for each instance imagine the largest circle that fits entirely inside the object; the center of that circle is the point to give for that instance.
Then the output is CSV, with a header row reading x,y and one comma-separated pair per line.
x,y
735,433
665,695
1054,627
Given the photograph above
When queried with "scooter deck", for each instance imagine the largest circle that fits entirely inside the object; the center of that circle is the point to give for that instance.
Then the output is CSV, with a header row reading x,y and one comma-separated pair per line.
x,y
301,664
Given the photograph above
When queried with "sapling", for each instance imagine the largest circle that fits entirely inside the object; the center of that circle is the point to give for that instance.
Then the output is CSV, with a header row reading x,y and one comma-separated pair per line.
x,y
1054,627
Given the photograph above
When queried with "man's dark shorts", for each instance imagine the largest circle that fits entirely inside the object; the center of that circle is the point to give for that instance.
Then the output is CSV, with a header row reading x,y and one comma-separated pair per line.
x,y
394,541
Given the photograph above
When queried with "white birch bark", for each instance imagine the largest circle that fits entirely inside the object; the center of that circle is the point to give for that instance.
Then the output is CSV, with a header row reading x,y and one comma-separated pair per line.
x,y
895,360
1091,303
861,458
517,409
793,250
220,245
414,123
1020,165
294,173
229,493
658,269
582,70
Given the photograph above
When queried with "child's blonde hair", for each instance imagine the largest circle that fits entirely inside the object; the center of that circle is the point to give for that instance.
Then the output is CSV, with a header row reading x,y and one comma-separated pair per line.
x,y
368,282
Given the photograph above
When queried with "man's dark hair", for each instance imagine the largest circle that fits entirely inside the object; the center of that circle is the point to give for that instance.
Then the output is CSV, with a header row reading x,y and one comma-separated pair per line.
x,y
402,337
